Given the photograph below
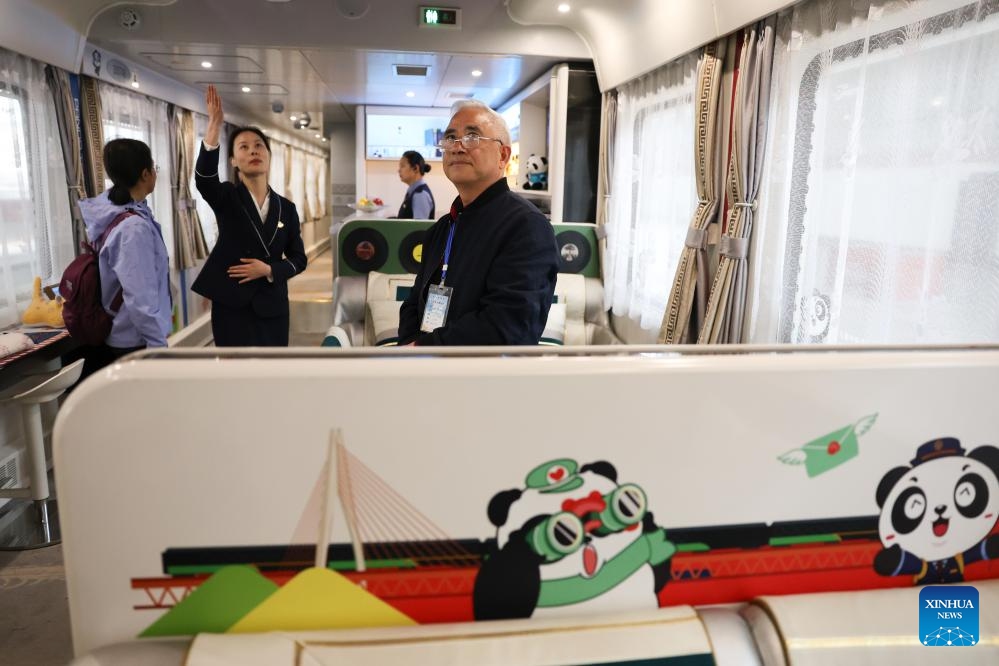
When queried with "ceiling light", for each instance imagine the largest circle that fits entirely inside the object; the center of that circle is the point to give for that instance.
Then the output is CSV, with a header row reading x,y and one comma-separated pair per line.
x,y
476,72
246,88
293,118
135,80
319,136
564,7
410,93
206,64
324,139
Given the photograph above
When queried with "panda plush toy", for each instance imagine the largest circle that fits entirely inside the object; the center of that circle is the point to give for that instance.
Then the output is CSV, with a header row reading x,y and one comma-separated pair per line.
x,y
573,541
536,168
938,513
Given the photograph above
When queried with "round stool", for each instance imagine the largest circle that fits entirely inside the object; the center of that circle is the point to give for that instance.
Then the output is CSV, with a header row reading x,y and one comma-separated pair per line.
x,y
37,524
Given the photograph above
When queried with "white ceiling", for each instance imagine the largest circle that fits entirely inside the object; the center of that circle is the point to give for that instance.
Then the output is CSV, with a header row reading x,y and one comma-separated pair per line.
x,y
309,56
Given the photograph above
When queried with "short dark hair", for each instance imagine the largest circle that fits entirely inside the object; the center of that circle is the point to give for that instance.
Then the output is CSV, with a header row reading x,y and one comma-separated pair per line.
x,y
124,162
247,128
416,161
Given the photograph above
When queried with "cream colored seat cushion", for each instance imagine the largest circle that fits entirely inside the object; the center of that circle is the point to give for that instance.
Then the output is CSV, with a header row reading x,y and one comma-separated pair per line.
x,y
384,297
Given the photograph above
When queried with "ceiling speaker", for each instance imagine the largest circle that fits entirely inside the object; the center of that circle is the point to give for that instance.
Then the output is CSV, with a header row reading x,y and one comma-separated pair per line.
x,y
129,19
352,9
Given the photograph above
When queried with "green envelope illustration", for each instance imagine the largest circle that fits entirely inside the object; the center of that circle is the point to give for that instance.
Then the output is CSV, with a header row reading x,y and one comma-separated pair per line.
x,y
831,450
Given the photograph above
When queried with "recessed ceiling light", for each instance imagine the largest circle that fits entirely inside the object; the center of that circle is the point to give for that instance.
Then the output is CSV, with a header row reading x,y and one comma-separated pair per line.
x,y
564,7
135,84
246,88
319,136
410,93
324,138
476,72
206,64
293,118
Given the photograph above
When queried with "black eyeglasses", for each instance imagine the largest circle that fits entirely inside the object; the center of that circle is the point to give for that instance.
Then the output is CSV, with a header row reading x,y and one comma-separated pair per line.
x,y
469,141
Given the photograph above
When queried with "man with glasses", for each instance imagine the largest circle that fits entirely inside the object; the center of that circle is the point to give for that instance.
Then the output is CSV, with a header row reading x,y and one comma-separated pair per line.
x,y
489,266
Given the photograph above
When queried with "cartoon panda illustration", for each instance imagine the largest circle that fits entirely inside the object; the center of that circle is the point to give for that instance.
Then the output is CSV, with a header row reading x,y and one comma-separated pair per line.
x,y
936,515
574,541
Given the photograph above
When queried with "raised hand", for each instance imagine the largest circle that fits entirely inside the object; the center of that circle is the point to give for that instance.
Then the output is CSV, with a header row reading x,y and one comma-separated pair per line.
x,y
215,116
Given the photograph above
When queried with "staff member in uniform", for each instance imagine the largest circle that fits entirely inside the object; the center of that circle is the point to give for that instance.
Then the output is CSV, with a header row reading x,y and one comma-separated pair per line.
x,y
259,246
489,266
419,201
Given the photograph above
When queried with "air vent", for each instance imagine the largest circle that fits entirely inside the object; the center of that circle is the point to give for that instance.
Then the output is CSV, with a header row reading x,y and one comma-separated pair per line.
x,y
411,70
458,95
8,471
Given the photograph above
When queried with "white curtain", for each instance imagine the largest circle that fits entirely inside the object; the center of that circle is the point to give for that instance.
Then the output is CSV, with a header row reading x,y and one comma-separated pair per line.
x,y
312,185
324,187
652,191
36,231
297,170
880,205
129,115
278,175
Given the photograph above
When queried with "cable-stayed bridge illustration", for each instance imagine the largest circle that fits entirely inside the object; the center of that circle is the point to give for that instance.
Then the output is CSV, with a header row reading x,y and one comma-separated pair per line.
x,y
403,566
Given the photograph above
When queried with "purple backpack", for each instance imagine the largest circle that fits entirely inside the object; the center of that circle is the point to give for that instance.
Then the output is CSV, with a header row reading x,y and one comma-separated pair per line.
x,y
80,287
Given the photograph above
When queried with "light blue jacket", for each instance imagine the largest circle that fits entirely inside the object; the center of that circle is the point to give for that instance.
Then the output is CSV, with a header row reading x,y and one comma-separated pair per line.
x,y
133,259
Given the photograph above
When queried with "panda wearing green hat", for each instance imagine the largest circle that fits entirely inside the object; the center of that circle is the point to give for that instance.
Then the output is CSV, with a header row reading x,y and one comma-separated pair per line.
x,y
573,541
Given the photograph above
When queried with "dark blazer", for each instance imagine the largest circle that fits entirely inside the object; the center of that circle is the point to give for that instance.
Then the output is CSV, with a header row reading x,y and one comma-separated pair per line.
x,y
278,242
503,267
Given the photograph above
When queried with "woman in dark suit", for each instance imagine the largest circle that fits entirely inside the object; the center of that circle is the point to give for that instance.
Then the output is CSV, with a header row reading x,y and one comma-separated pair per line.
x,y
259,246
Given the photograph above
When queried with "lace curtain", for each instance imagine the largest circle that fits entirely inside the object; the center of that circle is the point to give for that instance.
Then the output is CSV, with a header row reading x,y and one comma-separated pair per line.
x,y
880,205
652,190
129,115
36,230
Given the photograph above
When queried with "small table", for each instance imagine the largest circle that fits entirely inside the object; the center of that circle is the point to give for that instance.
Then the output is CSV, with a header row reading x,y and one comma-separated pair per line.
x,y
50,344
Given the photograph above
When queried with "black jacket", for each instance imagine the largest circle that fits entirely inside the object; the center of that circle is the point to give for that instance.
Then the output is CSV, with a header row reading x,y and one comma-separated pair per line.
x,y
277,242
503,266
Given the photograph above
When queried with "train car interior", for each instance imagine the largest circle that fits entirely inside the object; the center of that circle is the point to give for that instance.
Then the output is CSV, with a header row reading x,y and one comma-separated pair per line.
x,y
773,326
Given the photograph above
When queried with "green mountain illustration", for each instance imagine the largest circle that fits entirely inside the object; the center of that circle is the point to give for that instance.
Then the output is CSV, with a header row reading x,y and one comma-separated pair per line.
x,y
216,605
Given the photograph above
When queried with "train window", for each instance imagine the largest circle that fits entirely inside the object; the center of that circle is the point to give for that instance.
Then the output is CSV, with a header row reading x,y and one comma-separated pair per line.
x,y
36,236
653,193
208,225
127,115
882,193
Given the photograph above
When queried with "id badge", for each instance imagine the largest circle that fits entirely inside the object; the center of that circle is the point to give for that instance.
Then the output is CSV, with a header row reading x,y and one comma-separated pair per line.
x,y
435,313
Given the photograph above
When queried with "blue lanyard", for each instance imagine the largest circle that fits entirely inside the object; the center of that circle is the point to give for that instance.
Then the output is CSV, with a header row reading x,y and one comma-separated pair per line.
x,y
447,252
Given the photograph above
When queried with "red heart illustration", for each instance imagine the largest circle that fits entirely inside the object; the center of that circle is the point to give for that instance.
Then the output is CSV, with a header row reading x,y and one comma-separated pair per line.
x,y
556,474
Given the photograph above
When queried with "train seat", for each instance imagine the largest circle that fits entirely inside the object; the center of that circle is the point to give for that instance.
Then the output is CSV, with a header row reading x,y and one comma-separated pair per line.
x,y
375,264
677,635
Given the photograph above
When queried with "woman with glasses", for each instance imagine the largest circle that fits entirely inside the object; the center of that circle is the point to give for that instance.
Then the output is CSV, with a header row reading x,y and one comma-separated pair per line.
x,y
132,257
259,245
419,201
489,268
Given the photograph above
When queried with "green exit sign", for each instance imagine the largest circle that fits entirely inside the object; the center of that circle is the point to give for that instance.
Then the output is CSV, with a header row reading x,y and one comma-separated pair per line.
x,y
440,17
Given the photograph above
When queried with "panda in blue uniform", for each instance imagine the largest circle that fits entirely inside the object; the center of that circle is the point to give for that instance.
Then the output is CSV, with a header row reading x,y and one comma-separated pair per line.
x,y
937,514
572,542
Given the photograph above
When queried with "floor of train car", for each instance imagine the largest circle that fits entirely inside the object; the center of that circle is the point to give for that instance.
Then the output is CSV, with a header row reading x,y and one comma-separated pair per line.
x,y
34,610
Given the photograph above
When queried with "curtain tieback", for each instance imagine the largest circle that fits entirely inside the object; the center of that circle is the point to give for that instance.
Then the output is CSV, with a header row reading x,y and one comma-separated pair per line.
x,y
745,204
601,232
697,239
733,248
